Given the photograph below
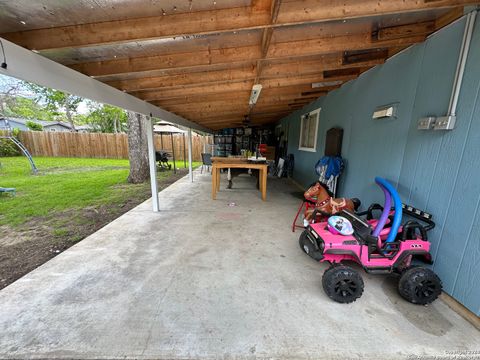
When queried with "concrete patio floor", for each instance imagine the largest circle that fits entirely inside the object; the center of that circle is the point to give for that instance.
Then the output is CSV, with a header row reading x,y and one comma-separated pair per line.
x,y
202,279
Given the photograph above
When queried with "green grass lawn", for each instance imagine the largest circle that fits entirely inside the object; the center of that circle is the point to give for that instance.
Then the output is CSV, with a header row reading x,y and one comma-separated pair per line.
x,y
62,184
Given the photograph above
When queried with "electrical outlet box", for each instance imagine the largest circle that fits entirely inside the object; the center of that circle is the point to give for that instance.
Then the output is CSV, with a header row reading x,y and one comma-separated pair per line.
x,y
426,123
445,123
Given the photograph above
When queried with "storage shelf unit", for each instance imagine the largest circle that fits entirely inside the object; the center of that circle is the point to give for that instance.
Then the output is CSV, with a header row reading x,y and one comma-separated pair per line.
x,y
231,141
224,141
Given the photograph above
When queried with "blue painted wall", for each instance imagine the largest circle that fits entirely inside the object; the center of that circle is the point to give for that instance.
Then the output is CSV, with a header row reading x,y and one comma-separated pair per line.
x,y
434,170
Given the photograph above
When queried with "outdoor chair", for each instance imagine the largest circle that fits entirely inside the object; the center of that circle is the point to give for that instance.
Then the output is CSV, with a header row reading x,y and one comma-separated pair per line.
x,y
206,161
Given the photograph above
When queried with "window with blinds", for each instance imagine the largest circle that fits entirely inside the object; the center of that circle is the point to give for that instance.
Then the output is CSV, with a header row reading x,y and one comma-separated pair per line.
x,y
309,131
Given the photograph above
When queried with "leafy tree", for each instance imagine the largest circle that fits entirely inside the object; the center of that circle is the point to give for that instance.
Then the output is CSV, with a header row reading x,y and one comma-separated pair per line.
x,y
34,126
9,88
57,101
107,119
28,109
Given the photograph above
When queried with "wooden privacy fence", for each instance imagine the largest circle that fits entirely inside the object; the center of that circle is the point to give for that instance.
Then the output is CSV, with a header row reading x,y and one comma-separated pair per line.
x,y
98,145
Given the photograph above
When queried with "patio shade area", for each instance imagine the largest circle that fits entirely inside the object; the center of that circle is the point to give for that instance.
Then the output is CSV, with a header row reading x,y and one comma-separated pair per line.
x,y
200,59
211,279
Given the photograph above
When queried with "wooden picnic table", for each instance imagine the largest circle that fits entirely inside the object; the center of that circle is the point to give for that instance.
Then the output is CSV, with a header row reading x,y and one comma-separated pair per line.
x,y
238,163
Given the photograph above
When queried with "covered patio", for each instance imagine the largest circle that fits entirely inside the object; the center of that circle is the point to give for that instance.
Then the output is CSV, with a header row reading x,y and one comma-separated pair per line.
x,y
197,278
205,279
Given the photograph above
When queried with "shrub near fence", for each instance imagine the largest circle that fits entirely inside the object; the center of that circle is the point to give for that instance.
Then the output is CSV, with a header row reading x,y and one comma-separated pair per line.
x,y
7,147
98,145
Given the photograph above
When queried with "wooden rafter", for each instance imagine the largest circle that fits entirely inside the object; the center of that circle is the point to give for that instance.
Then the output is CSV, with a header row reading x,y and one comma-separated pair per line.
x,y
287,50
290,69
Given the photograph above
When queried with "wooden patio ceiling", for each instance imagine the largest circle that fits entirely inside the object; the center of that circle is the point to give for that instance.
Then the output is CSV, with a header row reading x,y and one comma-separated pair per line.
x,y
199,59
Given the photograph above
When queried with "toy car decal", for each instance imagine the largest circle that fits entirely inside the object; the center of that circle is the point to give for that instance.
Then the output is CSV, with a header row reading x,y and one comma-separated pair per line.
x,y
340,225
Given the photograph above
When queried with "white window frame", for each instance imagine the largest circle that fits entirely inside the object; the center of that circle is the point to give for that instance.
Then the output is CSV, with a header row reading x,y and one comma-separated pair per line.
x,y
311,113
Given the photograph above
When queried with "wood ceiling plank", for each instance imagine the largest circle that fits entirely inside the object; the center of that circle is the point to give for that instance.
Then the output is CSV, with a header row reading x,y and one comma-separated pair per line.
x,y
240,119
243,73
202,98
261,5
200,108
241,54
200,117
267,37
226,98
214,88
309,79
312,66
219,90
176,71
184,79
215,21
326,10
157,27
169,61
337,44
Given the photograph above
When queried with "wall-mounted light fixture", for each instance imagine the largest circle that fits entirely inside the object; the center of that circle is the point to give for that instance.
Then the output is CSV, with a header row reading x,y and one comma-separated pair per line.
x,y
255,94
385,111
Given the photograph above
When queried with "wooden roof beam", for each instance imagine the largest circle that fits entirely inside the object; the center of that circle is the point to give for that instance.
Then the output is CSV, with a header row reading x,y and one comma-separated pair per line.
x,y
242,73
182,61
224,98
187,79
305,67
237,108
141,29
221,89
203,98
239,118
329,45
285,50
309,80
267,83
197,90
199,117
267,37
215,21
323,10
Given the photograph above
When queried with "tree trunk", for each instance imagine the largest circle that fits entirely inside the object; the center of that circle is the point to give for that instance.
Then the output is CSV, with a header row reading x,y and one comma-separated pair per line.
x,y
115,124
70,118
137,148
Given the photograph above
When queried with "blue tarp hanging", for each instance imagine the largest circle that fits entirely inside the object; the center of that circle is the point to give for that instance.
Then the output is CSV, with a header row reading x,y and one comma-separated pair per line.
x,y
328,170
334,166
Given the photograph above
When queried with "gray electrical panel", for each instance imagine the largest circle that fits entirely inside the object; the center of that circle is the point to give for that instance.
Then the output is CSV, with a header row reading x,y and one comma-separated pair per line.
x,y
445,123
426,123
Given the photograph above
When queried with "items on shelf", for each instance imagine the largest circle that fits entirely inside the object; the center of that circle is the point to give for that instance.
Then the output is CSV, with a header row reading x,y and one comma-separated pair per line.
x,y
239,141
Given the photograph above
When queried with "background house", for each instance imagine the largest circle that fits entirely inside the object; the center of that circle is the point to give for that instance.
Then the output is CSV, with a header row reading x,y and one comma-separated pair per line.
x,y
59,126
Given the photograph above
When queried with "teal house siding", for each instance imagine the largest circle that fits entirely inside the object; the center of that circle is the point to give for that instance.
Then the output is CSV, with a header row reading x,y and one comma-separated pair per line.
x,y
438,171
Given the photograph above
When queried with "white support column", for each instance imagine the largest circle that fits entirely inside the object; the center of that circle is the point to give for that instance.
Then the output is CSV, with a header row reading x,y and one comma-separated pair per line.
x,y
190,171
153,166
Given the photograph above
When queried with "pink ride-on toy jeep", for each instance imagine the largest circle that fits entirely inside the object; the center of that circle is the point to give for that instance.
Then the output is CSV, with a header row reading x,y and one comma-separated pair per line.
x,y
380,246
